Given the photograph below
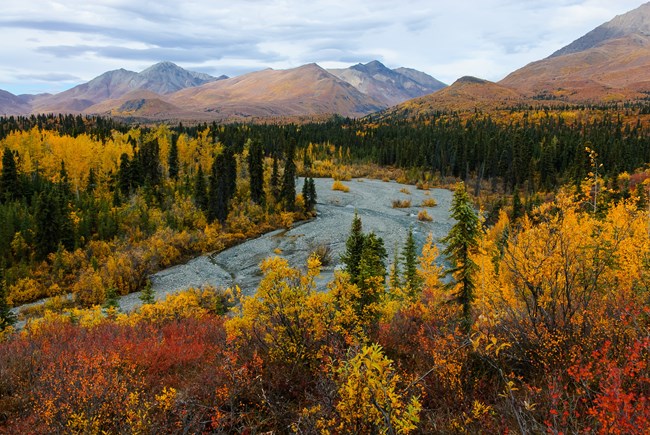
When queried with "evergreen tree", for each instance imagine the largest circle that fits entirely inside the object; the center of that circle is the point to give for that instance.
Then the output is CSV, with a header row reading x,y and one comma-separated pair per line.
x,y
275,179
7,317
9,184
461,242
172,158
395,281
124,181
228,175
48,222
309,194
91,184
256,171
200,191
288,191
147,296
517,206
353,249
372,263
218,189
412,280
64,184
112,299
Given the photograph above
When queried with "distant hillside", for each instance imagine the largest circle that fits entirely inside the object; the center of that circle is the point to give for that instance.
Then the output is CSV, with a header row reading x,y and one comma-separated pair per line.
x,y
466,93
388,86
161,78
306,90
610,63
12,104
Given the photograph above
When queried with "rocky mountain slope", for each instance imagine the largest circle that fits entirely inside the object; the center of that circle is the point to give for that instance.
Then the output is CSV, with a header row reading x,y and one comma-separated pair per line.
x,y
388,86
612,62
161,78
306,90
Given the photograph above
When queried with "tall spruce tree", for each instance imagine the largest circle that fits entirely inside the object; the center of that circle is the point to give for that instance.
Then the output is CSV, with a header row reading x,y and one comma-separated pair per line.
x,y
256,171
461,242
288,192
275,179
218,189
9,184
372,265
200,191
172,158
309,194
353,249
412,280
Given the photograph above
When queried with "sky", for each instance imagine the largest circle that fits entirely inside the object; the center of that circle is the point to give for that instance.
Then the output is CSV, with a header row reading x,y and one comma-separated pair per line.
x,y
51,46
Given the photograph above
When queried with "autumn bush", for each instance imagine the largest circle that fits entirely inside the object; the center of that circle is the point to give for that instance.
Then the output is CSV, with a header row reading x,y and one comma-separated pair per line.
x,y
337,185
401,203
424,216
428,202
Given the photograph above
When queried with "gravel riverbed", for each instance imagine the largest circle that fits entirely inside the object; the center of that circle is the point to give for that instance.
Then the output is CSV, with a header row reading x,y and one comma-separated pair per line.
x,y
372,200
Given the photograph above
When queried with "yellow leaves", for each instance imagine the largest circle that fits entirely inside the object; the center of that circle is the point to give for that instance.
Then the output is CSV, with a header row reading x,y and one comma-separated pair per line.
x,y
166,399
368,396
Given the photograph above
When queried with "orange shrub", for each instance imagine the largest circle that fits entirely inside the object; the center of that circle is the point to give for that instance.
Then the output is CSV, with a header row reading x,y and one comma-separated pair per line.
x,y
401,203
424,216
340,186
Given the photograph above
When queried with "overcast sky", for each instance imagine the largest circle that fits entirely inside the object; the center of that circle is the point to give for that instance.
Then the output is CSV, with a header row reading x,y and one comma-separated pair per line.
x,y
50,46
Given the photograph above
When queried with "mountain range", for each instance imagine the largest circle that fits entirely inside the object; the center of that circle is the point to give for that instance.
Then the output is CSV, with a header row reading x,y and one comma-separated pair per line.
x,y
166,91
608,64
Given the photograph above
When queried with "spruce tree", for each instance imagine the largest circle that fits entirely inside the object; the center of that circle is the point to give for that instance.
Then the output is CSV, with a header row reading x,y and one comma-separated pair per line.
x,y
9,184
256,172
461,242
112,299
353,249
517,206
172,158
288,191
309,194
372,262
412,280
395,281
124,181
147,296
218,188
200,191
7,317
275,179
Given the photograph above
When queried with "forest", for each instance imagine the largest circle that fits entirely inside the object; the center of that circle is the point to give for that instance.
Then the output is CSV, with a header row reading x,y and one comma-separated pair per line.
x,y
533,318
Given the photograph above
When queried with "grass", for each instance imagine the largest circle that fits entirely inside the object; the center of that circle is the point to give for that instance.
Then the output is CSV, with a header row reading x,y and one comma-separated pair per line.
x,y
401,203
428,202
405,190
324,254
424,216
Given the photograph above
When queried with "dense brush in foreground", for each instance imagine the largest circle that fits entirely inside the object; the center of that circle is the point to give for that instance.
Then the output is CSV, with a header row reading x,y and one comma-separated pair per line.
x,y
554,339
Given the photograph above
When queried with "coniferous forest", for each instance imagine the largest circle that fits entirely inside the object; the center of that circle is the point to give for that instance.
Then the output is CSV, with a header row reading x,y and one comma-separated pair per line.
x,y
533,318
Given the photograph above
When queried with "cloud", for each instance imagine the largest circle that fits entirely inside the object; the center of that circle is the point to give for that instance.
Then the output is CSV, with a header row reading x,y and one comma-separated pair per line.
x,y
49,77
485,38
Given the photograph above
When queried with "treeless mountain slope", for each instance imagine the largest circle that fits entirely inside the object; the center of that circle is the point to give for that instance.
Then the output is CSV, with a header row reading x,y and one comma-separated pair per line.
x,y
612,62
466,93
306,90
11,104
140,103
161,78
388,86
